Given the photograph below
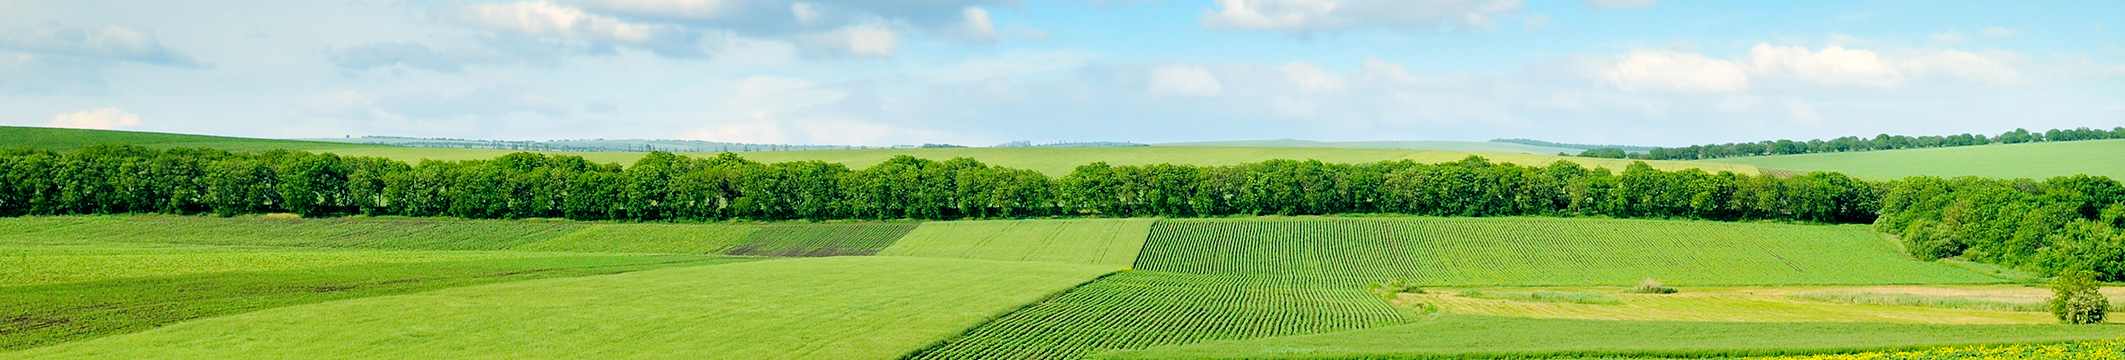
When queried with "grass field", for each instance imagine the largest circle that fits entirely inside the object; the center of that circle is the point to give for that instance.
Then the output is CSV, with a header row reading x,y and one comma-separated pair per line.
x,y
2030,160
35,264
821,308
1459,336
2113,349
1112,242
1142,309
36,315
1472,146
1538,252
825,239
70,139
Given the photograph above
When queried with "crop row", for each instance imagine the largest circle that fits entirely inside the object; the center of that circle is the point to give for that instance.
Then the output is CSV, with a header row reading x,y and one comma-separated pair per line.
x,y
1536,251
829,239
1141,309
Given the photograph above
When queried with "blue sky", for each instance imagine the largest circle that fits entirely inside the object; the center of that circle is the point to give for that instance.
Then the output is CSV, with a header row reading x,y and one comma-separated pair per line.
x,y
981,72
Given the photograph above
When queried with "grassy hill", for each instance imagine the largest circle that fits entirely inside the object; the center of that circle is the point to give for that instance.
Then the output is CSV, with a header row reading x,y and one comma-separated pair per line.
x,y
2029,160
1050,161
1469,146
822,308
785,239
70,139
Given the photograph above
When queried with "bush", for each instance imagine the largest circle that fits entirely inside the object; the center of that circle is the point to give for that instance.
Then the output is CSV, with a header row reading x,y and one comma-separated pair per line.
x,y
1392,288
2076,298
1650,286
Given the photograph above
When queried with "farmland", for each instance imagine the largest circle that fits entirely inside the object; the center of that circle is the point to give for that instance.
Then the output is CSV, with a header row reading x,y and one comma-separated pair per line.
x,y
785,239
1089,241
1538,252
840,308
2010,161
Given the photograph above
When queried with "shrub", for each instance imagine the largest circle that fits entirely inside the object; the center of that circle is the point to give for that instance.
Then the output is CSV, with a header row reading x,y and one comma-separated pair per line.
x,y
2076,298
1391,288
1650,286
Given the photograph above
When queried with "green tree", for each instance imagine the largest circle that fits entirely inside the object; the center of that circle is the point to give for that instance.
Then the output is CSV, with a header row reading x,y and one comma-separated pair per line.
x,y
2076,298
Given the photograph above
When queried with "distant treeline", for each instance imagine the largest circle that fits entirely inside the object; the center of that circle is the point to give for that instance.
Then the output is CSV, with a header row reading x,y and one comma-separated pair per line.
x,y
1625,148
1854,143
2044,226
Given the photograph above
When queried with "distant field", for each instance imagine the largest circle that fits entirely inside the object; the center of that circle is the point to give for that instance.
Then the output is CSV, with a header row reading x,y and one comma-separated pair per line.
x,y
782,239
1473,146
48,314
1538,252
1112,242
2030,160
1742,304
70,139
1142,309
1456,336
821,308
52,264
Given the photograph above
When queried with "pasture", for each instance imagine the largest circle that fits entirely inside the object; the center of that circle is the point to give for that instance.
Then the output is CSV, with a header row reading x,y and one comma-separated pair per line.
x,y
823,308
1111,242
1538,252
2006,161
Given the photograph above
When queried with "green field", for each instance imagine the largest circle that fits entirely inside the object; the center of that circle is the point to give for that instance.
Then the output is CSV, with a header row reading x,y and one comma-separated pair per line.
x,y
781,239
52,264
822,308
828,239
53,313
70,139
2008,161
1538,252
1486,146
1112,242
1142,309
1454,336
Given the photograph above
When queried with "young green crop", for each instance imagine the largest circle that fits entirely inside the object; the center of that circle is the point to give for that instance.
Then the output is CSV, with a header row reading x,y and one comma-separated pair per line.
x,y
1141,309
825,239
1537,252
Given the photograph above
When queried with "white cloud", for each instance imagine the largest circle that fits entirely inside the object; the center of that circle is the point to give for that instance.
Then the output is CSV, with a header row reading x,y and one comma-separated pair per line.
x,y
1998,32
869,40
1949,37
977,28
1660,70
1621,4
108,42
1534,21
105,119
549,20
1833,66
1374,68
1803,113
1306,17
1184,80
804,12
1311,78
1988,67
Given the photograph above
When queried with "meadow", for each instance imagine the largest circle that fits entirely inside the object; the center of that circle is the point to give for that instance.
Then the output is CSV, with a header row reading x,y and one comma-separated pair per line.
x,y
1111,242
837,308
2004,161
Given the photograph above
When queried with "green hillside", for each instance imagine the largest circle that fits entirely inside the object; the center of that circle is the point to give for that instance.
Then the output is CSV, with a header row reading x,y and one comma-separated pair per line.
x,y
782,239
822,308
70,139
1472,146
2030,160
1112,242
1537,252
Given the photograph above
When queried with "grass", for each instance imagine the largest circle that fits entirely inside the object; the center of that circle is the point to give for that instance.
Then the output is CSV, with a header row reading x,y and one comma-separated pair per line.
x,y
1538,252
1486,146
818,308
22,265
1112,242
1460,336
1141,309
38,315
1739,304
824,239
2009,161
1543,296
648,238
69,139
2113,349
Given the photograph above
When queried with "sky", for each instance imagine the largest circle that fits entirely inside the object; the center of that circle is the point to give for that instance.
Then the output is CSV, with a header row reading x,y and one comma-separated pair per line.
x,y
984,72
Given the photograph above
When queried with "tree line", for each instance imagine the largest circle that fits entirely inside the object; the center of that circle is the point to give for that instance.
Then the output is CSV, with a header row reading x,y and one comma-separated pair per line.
x,y
1855,143
2044,226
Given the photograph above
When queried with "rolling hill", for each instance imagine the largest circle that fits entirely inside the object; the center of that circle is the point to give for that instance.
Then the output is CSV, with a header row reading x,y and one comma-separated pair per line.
x,y
2029,160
